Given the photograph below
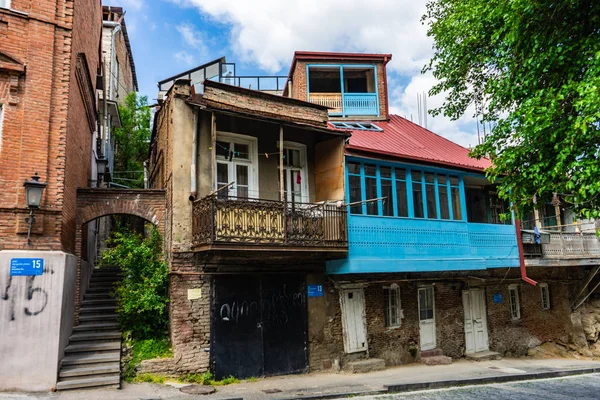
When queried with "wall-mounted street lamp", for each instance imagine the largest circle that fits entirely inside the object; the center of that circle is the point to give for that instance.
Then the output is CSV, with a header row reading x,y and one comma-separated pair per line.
x,y
33,192
102,164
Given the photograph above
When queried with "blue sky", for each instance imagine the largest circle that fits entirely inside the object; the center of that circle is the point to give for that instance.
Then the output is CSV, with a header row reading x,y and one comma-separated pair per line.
x,y
260,36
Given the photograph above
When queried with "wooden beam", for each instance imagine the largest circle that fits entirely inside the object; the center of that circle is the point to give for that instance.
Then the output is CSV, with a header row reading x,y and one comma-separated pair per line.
x,y
281,187
213,151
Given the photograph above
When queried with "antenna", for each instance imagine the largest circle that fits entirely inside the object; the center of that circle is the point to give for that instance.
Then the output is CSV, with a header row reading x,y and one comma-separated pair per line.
x,y
425,109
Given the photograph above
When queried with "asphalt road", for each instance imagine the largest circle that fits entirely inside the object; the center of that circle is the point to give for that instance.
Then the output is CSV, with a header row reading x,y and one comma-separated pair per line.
x,y
576,387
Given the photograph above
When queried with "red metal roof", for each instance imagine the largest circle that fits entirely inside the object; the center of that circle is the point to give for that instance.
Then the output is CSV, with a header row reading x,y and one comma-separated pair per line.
x,y
403,139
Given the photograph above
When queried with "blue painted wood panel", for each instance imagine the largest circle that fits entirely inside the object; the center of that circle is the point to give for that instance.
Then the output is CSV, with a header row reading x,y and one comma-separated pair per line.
x,y
388,244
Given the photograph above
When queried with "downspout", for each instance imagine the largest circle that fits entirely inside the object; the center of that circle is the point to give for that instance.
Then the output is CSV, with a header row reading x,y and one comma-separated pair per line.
x,y
193,180
387,104
116,27
521,254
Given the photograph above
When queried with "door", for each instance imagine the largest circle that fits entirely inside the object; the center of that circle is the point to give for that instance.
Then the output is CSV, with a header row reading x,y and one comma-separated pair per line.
x,y
476,334
427,318
258,325
354,326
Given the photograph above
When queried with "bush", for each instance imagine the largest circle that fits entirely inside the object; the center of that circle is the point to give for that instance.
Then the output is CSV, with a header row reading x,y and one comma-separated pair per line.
x,y
142,295
146,349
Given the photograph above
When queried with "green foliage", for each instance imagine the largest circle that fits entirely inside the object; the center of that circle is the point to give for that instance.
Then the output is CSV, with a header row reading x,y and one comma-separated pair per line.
x,y
142,293
149,378
145,349
206,378
252,379
132,140
533,69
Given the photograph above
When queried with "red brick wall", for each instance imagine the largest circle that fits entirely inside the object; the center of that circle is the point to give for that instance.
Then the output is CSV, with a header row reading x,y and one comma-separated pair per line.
x,y
33,129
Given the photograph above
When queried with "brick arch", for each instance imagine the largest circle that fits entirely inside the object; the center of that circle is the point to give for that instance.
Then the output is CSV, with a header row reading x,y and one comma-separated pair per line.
x,y
148,204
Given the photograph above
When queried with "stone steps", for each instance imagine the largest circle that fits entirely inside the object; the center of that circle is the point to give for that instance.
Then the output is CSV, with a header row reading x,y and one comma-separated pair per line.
x,y
93,356
434,357
362,366
483,356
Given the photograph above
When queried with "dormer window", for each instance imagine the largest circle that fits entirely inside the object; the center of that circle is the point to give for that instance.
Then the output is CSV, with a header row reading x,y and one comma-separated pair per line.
x,y
348,90
358,126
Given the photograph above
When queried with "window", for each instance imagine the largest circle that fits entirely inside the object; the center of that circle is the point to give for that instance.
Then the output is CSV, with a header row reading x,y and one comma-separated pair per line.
x,y
4,3
513,301
295,179
359,126
545,296
404,192
235,159
391,306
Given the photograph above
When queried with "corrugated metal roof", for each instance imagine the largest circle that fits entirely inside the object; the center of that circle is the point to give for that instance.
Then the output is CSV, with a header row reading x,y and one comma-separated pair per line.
x,y
404,139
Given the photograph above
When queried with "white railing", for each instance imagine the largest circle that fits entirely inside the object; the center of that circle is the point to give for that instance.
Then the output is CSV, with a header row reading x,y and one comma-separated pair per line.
x,y
572,245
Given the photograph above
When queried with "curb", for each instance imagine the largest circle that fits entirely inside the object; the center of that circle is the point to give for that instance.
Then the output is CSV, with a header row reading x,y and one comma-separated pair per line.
x,y
325,396
411,387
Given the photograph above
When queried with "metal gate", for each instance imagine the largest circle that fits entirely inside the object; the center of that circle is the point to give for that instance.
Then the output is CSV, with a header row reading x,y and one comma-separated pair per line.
x,y
258,325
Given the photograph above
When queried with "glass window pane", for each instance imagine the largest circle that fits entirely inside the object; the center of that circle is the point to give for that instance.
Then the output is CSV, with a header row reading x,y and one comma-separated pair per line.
x,y
454,180
416,176
222,179
444,207
401,199
429,177
400,173
441,179
355,194
354,168
385,172
370,170
431,205
241,174
241,151
371,191
388,202
456,203
418,200
223,149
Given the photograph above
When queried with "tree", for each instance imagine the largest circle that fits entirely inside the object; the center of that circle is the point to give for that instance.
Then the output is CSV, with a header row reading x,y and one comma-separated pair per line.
x,y
132,141
532,69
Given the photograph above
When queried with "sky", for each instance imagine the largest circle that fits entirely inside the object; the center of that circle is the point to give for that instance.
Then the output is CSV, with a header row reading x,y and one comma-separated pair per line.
x,y
260,36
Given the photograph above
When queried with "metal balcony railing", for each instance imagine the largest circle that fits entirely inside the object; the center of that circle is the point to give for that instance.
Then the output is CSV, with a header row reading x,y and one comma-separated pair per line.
x,y
266,222
348,104
566,245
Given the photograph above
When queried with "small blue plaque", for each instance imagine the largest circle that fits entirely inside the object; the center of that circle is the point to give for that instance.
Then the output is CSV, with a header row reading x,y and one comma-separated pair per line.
x,y
26,266
315,290
497,298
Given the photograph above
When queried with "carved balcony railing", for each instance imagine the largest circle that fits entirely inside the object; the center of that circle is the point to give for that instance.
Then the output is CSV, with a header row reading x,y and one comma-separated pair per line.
x,y
234,220
331,100
350,104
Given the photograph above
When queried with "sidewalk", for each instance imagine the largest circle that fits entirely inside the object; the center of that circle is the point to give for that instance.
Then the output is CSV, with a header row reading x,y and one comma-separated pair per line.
x,y
330,385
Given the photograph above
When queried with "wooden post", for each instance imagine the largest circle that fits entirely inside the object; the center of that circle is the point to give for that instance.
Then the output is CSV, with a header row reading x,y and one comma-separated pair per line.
x,y
213,151
281,187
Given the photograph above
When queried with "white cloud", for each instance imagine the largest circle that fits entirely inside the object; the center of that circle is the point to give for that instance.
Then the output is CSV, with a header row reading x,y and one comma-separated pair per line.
x,y
134,5
267,32
192,37
183,57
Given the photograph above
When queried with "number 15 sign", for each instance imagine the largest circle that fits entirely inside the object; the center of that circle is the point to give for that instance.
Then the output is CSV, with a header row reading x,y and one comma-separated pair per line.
x,y
26,266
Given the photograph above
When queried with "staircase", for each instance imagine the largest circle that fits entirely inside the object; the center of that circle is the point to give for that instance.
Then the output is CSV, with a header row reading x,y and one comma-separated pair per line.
x,y
434,357
93,356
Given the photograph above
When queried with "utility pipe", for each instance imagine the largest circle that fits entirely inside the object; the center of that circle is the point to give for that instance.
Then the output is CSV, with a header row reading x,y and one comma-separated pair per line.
x,y
116,27
521,254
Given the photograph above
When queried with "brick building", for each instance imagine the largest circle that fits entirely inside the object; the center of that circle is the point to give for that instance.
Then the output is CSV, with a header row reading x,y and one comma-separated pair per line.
x,y
257,234
49,60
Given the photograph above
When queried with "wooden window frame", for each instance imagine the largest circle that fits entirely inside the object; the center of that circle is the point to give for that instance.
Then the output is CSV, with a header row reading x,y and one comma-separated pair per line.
x,y
387,307
545,293
514,302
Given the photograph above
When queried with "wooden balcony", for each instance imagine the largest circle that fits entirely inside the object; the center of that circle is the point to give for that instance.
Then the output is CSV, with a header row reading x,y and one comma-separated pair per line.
x,y
348,104
242,224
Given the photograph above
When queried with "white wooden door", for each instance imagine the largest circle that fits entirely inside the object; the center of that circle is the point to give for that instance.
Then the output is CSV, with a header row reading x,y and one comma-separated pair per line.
x,y
354,324
476,334
427,318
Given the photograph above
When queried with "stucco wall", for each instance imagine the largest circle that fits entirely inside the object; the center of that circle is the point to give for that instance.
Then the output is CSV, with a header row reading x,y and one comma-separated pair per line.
x,y
36,319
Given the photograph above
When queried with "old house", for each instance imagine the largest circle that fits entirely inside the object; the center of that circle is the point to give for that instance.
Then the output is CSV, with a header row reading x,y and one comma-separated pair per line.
x,y
49,64
252,182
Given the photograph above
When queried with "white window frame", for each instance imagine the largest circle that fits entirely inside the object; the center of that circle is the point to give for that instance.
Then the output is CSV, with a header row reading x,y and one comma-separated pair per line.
x,y
387,307
545,292
514,302
5,4
1,120
251,162
305,198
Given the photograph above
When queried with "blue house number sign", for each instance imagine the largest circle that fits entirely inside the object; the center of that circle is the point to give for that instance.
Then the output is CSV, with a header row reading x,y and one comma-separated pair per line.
x,y
26,266
497,298
315,290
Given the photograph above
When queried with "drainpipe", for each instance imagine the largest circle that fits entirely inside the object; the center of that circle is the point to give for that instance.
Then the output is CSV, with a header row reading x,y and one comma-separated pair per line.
x,y
193,181
386,60
521,255
116,27
145,174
